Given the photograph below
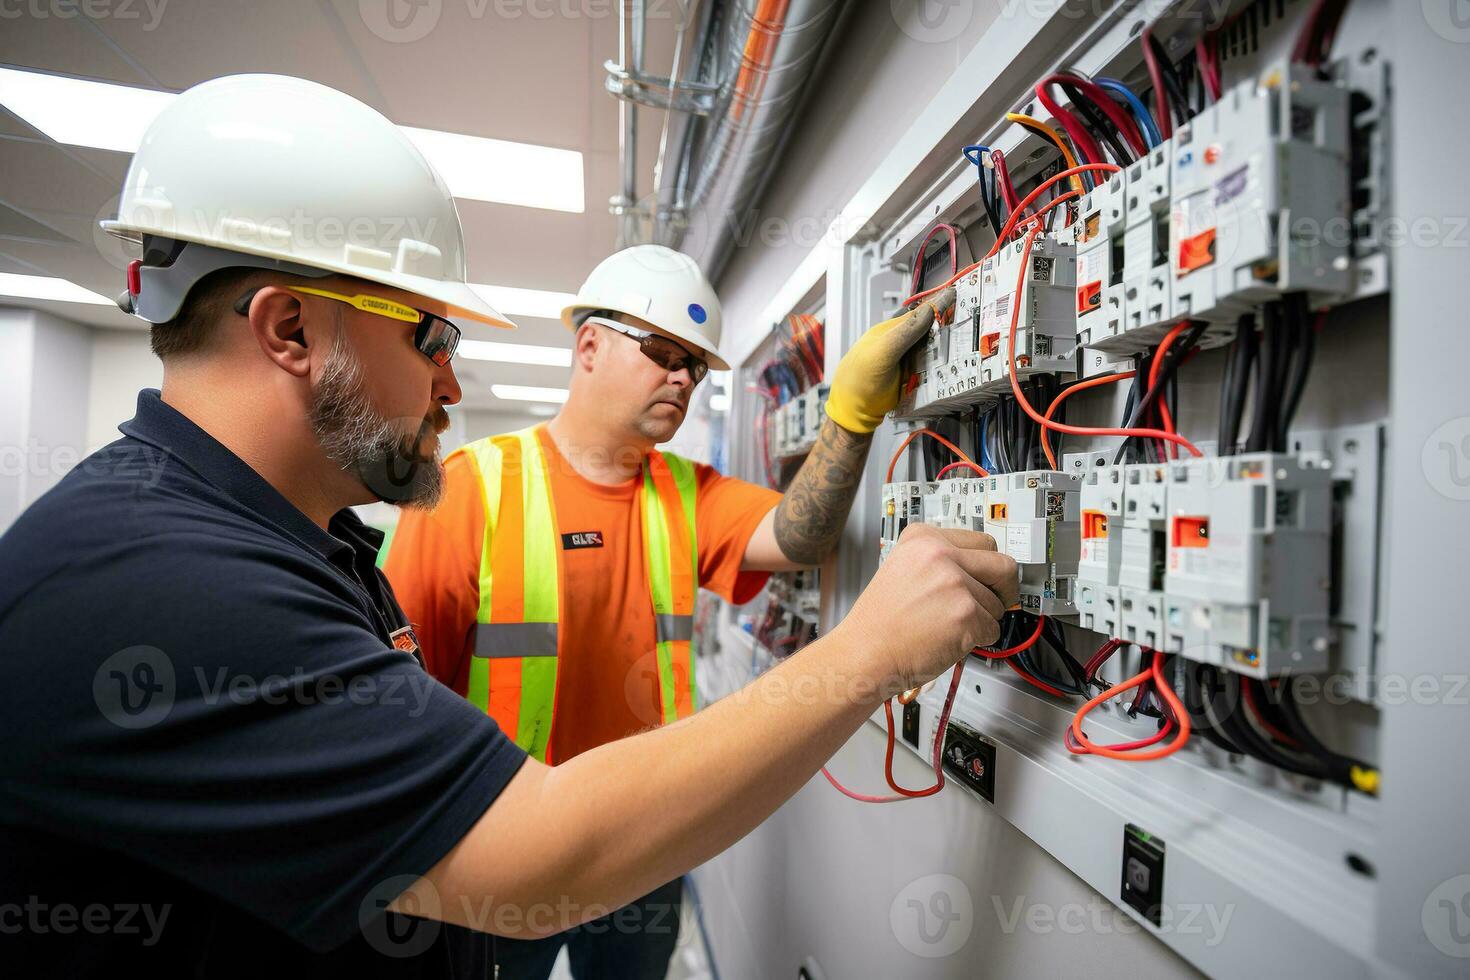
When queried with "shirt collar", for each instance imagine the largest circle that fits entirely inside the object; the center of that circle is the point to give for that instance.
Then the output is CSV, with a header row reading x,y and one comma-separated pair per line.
x,y
175,434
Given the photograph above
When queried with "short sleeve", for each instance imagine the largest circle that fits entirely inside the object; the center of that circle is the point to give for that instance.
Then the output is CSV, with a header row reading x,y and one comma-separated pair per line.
x,y
254,738
433,564
729,511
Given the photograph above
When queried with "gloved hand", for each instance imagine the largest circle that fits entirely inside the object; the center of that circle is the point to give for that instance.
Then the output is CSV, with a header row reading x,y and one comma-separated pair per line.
x,y
865,385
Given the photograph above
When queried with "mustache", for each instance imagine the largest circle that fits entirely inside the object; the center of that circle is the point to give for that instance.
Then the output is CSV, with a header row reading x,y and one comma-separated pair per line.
x,y
679,396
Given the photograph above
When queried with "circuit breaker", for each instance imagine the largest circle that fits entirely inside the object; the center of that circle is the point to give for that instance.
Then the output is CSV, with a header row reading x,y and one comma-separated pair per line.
x,y
1142,554
958,504
1248,576
1100,556
1147,302
1046,327
1261,196
1034,517
1097,235
903,504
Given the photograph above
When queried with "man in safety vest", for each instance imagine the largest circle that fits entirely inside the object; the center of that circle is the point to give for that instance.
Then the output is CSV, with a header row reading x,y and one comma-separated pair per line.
x,y
554,585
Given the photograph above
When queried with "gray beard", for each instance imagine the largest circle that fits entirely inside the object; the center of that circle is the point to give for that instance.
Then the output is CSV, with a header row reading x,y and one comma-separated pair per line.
x,y
358,438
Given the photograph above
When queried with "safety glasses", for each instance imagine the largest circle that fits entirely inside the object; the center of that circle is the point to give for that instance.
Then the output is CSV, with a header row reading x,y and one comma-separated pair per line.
x,y
436,338
660,349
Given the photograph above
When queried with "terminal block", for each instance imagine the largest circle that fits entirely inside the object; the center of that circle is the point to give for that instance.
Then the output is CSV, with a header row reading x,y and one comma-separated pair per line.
x,y
1141,556
1034,517
1248,576
1046,325
1100,560
1261,203
797,422
1097,235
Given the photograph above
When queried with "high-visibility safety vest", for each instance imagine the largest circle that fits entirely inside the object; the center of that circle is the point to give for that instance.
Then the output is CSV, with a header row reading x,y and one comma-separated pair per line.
x,y
517,643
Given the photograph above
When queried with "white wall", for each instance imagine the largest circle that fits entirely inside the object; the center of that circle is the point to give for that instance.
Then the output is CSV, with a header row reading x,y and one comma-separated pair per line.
x,y
122,365
44,364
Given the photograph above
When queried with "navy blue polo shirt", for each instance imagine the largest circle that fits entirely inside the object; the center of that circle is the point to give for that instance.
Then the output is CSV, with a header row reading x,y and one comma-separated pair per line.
x,y
215,760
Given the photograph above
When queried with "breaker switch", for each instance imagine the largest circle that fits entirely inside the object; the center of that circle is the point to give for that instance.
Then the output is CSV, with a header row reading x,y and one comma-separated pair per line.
x,y
1094,524
1191,532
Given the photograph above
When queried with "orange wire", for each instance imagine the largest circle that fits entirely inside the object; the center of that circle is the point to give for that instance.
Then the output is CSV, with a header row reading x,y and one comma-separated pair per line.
x,y
1165,690
1020,396
933,435
1153,377
1106,379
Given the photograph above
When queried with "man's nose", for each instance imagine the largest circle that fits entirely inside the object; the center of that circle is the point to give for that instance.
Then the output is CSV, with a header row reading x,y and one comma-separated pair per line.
x,y
446,385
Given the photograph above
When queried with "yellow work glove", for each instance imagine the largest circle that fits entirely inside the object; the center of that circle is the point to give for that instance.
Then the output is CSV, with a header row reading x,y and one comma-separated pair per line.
x,y
865,385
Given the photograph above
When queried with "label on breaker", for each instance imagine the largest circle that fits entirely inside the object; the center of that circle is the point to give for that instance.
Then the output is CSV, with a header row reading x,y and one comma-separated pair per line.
x,y
996,317
1018,542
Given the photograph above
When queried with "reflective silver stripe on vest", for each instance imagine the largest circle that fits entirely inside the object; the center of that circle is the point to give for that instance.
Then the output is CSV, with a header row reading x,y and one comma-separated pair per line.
x,y
671,626
494,640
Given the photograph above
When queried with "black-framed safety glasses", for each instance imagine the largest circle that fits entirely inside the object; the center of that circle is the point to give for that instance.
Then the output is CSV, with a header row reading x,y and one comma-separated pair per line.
x,y
435,337
666,353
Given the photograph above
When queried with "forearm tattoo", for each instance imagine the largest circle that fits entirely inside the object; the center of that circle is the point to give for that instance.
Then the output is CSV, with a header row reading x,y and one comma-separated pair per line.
x,y
813,510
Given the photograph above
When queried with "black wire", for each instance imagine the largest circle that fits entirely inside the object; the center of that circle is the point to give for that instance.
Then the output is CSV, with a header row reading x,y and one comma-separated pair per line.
x,y
1239,730
1299,318
1242,356
1264,414
1338,767
1172,359
1173,88
1100,124
1193,699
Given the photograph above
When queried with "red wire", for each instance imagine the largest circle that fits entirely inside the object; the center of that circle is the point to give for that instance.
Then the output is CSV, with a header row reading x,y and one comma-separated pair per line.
x,y
1153,674
892,463
1162,115
1025,644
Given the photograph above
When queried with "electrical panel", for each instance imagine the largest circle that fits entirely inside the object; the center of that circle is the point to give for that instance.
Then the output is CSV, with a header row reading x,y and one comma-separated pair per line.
x,y
1034,517
797,422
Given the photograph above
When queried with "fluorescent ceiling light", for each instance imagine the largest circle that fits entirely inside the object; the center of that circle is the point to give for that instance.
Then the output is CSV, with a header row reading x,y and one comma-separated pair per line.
x,y
515,301
49,287
528,393
82,112
719,403
490,350
482,169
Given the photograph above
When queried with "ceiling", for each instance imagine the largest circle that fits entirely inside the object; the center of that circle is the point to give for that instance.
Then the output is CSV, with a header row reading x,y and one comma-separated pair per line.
x,y
524,70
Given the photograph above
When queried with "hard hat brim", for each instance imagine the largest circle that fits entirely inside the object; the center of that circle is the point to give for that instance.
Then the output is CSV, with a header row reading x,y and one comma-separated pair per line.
x,y
459,299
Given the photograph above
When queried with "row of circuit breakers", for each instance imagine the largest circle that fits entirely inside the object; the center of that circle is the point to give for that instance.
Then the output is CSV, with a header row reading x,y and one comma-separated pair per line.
x,y
1222,560
795,424
1248,201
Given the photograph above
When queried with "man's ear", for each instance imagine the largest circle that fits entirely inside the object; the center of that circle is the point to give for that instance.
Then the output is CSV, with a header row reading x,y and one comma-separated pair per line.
x,y
586,344
276,323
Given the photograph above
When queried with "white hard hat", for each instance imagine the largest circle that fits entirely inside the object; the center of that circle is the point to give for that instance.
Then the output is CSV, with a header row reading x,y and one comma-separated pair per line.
x,y
277,172
659,285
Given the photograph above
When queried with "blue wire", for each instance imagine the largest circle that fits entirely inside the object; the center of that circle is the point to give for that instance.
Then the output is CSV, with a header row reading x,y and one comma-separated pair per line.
x,y
1140,111
985,463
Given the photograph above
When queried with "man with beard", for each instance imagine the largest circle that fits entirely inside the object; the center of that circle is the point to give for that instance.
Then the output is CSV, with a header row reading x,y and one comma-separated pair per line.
x,y
554,586
222,754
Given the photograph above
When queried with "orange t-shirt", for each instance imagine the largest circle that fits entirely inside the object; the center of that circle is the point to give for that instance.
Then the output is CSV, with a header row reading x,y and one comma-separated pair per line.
x,y
606,685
